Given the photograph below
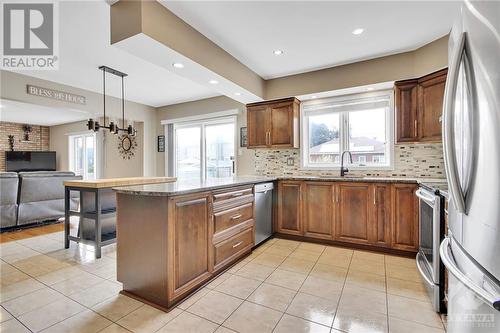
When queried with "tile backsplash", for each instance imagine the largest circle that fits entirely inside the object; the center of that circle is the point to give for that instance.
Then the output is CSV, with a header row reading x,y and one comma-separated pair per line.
x,y
422,160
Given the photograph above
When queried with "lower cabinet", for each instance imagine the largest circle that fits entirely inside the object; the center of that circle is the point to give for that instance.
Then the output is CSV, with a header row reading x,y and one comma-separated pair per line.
x,y
318,210
289,208
405,218
381,215
353,213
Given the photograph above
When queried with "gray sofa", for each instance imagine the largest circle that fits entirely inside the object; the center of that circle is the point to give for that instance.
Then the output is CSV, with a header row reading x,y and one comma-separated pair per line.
x,y
9,184
40,197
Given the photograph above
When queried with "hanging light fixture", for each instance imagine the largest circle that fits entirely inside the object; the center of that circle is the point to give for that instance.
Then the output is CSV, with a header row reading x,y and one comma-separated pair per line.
x,y
112,127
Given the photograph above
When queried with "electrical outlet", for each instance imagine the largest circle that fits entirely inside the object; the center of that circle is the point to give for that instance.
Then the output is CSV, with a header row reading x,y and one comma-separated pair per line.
x,y
290,161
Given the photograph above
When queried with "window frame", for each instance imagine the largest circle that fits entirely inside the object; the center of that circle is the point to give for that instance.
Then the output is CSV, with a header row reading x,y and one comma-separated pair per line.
x,y
72,156
344,130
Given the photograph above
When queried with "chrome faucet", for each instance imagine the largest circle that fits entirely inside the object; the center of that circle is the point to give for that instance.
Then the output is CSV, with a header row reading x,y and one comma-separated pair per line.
x,y
343,170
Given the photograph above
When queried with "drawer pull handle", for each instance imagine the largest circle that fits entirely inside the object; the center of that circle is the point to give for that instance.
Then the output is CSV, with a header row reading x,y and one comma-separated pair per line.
x,y
237,244
235,217
237,194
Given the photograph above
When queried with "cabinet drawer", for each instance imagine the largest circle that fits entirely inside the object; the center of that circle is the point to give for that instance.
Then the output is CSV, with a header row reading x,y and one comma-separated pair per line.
x,y
233,247
228,218
232,198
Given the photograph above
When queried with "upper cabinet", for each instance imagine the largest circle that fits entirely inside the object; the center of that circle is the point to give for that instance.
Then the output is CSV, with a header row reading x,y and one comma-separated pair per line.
x,y
419,104
273,124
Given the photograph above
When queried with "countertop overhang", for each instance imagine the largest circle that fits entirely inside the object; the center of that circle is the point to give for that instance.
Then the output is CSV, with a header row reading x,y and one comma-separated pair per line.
x,y
113,182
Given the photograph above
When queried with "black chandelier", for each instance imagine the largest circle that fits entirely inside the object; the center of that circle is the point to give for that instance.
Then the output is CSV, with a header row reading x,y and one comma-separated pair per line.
x,y
113,128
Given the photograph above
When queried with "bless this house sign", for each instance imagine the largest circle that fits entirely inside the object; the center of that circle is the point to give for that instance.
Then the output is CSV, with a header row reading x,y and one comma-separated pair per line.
x,y
55,94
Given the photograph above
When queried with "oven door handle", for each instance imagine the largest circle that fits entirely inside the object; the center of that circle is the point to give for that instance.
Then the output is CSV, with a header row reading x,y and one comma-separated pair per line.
x,y
424,196
421,269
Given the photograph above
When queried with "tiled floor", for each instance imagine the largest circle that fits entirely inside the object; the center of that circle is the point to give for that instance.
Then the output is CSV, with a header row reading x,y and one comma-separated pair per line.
x,y
284,286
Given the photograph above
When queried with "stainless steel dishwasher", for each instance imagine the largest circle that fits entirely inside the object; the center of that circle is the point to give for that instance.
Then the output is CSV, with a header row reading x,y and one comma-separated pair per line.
x,y
263,212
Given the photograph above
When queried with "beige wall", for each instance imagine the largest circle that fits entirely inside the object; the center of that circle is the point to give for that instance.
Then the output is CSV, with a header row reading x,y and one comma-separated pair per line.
x,y
245,157
13,87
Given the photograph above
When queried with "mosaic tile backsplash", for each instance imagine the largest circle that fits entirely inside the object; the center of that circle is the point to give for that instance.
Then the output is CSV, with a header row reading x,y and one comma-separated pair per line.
x,y
423,160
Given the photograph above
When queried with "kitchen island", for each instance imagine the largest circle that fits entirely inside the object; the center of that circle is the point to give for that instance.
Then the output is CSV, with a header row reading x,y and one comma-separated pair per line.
x,y
174,237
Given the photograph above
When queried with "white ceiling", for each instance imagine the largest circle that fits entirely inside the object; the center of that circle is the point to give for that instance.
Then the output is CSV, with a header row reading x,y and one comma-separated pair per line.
x,y
84,33
314,35
19,112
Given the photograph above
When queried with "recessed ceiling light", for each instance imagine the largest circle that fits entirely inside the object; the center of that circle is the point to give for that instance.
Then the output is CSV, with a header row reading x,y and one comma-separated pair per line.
x,y
358,31
178,65
213,81
278,52
237,94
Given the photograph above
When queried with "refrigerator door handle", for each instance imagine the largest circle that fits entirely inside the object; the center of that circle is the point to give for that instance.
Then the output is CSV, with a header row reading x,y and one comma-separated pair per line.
x,y
448,128
449,262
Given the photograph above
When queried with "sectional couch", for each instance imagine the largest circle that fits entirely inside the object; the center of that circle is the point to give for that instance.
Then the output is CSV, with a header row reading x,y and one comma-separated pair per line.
x,y
32,197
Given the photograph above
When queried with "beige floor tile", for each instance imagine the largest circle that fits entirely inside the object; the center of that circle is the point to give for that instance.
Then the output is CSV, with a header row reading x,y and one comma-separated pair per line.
x,y
278,250
218,280
272,296
39,265
114,328
31,301
313,308
13,326
329,272
291,324
235,268
255,271
400,261
17,252
50,314
403,273
238,286
332,250
322,288
186,322
311,247
84,322
287,243
366,280
297,265
271,260
186,303
287,279
408,289
97,293
11,275
60,275
339,260
413,310
223,329
117,307
403,326
353,320
362,299
367,265
252,318
366,255
76,284
4,315
305,255
147,319
19,289
215,306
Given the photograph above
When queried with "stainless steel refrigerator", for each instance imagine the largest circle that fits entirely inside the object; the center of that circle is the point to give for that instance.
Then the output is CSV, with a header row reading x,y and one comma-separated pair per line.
x,y
471,140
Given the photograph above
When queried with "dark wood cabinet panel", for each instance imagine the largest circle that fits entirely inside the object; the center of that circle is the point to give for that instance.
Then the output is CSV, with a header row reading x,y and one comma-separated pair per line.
x,y
406,110
318,210
257,126
289,208
405,217
189,235
273,124
352,222
430,105
380,224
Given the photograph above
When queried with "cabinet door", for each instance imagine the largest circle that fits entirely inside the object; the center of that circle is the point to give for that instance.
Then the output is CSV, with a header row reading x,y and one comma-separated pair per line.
x,y
406,110
258,126
405,218
289,208
430,105
189,245
352,223
381,215
281,124
318,210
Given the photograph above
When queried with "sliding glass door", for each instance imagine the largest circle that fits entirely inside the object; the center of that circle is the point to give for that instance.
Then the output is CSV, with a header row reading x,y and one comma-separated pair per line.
x,y
205,149
83,155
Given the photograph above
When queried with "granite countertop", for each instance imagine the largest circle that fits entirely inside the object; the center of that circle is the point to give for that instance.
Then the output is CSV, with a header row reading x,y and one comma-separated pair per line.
x,y
190,186
197,185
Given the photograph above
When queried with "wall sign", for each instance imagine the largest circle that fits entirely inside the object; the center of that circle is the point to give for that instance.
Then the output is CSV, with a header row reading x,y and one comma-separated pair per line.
x,y
161,143
243,137
55,94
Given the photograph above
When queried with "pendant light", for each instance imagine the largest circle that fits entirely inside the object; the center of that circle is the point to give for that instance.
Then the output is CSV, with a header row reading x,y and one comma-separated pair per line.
x,y
112,127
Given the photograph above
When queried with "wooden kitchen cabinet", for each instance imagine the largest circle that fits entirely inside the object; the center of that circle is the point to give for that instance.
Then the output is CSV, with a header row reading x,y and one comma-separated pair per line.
x,y
273,124
189,238
418,106
319,213
353,212
380,225
405,217
290,208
